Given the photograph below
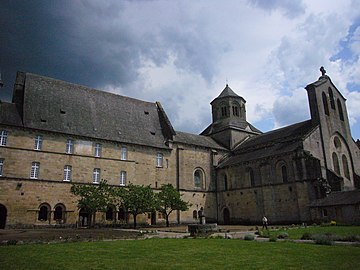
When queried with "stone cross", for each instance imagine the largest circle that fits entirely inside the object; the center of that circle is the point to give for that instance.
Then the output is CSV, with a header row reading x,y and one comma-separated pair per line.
x,y
323,71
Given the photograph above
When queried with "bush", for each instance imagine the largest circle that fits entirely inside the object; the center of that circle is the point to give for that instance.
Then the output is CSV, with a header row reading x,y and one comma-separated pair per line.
x,y
283,235
306,236
272,239
249,237
333,223
322,239
264,233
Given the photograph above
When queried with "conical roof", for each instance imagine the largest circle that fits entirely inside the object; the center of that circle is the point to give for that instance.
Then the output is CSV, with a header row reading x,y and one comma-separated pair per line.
x,y
227,92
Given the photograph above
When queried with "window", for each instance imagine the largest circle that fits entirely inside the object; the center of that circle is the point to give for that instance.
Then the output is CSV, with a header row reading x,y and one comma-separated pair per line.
x,y
159,160
325,103
284,174
110,213
122,178
3,137
121,214
324,213
97,150
336,163
223,111
250,177
225,182
345,167
198,178
96,176
332,101
341,114
194,214
35,168
123,153
69,146
59,212
1,166
44,211
38,142
67,173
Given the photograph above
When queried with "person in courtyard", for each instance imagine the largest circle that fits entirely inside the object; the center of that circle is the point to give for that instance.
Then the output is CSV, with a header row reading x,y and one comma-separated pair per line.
x,y
265,223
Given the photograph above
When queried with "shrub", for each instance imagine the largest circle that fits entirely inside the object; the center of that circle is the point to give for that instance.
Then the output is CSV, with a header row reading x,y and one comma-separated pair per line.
x,y
322,239
283,235
264,233
249,237
333,223
272,239
306,236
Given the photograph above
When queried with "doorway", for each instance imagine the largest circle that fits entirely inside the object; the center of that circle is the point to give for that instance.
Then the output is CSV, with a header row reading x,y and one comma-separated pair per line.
x,y
226,216
3,215
84,218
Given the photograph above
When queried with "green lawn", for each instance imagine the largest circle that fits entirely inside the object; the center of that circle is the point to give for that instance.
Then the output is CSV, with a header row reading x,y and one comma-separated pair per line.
x,y
297,233
179,254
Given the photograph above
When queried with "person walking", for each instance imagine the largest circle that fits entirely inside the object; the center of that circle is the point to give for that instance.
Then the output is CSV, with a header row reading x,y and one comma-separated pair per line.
x,y
265,223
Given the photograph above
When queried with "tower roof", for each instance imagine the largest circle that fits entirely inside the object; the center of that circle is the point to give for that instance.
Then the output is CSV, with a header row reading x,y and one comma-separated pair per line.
x,y
227,92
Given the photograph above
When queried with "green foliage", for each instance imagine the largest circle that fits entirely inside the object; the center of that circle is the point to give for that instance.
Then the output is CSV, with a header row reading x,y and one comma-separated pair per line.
x,y
169,199
283,235
93,197
264,233
138,199
322,239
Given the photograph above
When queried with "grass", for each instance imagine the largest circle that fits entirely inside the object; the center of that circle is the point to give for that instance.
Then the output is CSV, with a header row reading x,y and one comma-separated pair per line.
x,y
179,254
297,233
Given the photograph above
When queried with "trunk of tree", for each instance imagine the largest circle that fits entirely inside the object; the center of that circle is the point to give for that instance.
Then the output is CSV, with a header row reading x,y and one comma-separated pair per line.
x,y
134,220
167,220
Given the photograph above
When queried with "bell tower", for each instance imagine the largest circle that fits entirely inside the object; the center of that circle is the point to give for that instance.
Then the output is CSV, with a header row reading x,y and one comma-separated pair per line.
x,y
229,125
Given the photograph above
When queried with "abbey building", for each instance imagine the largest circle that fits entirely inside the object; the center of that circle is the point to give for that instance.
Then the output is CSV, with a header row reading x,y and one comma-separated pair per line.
x,y
55,133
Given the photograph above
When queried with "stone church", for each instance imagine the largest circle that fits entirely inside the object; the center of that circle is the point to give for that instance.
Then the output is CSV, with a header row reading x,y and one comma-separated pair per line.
x,y
54,134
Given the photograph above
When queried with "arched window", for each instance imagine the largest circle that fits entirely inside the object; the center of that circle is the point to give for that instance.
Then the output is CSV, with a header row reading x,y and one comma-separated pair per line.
x,y
109,213
195,214
223,111
59,212
325,103
345,167
332,101
201,212
44,211
250,177
341,114
284,174
225,182
121,214
198,178
235,109
336,163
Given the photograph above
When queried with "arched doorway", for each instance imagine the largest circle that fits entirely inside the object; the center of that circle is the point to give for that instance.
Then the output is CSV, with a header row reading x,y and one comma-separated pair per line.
x,y
84,218
226,216
3,214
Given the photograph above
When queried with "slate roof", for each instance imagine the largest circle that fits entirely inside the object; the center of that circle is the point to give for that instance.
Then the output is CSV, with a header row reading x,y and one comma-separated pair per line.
x,y
275,142
9,114
198,140
227,92
234,123
338,198
58,106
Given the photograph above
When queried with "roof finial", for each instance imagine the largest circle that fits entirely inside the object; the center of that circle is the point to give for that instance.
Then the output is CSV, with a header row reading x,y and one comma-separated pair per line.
x,y
323,71
227,83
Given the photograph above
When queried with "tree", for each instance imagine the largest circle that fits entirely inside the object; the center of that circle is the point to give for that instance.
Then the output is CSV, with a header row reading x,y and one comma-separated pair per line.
x,y
138,200
93,198
169,199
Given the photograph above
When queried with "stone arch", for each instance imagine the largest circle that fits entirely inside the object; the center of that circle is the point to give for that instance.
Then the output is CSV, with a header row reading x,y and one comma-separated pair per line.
x,y
60,213
3,216
199,178
44,212
84,217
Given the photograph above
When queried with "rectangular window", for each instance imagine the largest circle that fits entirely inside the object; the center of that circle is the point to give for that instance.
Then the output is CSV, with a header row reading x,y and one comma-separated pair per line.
x,y
69,146
122,178
96,176
1,166
35,168
67,173
159,160
123,153
38,142
3,137
97,150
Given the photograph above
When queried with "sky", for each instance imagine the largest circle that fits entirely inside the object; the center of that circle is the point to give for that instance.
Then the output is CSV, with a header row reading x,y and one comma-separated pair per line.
x,y
182,53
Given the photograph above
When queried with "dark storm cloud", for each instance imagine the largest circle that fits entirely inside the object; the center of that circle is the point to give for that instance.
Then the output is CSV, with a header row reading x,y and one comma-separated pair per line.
x,y
93,43
65,40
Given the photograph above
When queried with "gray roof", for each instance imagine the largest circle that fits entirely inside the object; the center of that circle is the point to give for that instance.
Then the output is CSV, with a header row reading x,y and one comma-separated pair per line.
x,y
232,123
9,114
198,140
227,92
58,106
283,140
338,198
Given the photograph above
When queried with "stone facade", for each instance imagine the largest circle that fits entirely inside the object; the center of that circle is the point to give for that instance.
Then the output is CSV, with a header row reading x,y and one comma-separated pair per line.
x,y
55,134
